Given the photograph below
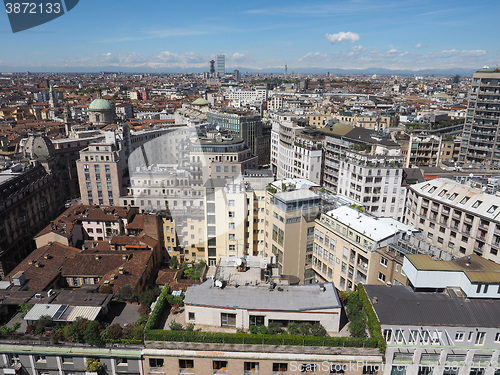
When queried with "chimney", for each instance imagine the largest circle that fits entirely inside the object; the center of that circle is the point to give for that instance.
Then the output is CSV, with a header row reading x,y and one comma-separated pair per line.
x,y
121,270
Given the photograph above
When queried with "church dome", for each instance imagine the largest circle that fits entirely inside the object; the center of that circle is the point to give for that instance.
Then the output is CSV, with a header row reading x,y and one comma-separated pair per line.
x,y
100,104
200,101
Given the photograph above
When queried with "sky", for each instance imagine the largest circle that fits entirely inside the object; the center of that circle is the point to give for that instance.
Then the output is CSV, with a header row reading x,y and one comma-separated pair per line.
x,y
168,35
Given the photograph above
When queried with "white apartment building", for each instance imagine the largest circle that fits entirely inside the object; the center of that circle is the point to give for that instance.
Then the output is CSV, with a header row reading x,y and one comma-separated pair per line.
x,y
235,217
458,218
352,247
243,97
374,181
296,150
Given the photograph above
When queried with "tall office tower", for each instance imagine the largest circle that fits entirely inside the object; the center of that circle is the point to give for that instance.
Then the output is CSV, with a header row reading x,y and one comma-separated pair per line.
x,y
480,143
212,66
221,65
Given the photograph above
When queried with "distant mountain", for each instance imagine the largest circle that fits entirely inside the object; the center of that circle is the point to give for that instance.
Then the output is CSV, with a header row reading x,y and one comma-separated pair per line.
x,y
312,70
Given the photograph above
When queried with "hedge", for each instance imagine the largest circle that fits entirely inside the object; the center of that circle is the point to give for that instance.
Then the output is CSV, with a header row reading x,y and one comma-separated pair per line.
x,y
372,320
158,310
257,339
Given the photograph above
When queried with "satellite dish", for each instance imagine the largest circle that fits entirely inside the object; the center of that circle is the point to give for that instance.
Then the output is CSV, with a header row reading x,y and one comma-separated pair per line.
x,y
218,283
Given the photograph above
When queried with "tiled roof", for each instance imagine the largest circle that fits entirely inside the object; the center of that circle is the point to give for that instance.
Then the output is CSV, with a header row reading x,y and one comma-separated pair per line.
x,y
42,266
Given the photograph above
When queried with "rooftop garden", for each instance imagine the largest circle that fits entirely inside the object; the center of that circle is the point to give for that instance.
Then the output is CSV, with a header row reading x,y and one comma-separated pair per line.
x,y
357,305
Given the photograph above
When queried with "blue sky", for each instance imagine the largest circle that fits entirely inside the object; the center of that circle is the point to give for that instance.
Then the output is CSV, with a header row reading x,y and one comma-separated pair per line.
x,y
169,35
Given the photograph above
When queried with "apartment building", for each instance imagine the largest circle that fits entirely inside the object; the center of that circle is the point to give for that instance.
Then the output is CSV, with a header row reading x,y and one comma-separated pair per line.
x,y
340,138
290,223
352,247
296,149
100,174
422,150
226,217
373,181
246,125
29,198
480,143
458,218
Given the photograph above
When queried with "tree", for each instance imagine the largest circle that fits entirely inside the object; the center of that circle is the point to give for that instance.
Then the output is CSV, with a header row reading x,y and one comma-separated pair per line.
x,y
76,330
93,365
318,330
115,331
174,262
92,335
43,321
125,291
146,299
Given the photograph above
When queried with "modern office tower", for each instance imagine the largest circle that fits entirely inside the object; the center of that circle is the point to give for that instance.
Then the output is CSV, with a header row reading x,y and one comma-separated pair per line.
x,y
480,139
296,149
246,125
212,66
352,247
100,174
373,181
221,65
290,219
458,218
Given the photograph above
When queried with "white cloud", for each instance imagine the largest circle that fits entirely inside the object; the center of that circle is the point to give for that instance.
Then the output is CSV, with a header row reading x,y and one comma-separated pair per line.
x,y
392,51
342,37
356,50
418,45
313,56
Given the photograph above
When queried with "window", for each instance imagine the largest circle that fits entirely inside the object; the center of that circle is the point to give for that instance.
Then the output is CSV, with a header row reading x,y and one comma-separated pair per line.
x,y
220,366
191,316
186,364
228,320
231,225
231,213
480,338
492,209
232,236
251,367
40,358
155,362
256,320
122,361
383,261
477,204
370,370
309,368
232,247
280,367
459,336
381,276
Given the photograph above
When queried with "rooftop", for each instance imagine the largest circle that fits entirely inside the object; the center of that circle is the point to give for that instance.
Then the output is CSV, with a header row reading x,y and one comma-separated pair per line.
x,y
399,305
282,298
477,268
377,229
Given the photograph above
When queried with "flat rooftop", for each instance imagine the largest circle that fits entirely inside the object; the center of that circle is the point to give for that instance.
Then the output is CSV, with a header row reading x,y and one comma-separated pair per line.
x,y
370,226
281,298
477,268
400,305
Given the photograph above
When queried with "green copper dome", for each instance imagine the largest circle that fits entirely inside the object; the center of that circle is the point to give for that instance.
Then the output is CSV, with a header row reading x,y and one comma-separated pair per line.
x,y
100,104
200,101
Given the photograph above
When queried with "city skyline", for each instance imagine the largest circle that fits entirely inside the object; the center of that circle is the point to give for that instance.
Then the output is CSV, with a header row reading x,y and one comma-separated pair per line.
x,y
357,34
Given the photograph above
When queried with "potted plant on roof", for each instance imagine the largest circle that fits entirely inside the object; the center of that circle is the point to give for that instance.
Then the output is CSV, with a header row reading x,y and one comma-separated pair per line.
x,y
94,366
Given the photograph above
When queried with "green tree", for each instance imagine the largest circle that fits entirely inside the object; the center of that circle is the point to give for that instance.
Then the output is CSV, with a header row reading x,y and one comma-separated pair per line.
x,y
92,335
76,329
126,291
318,330
174,262
43,321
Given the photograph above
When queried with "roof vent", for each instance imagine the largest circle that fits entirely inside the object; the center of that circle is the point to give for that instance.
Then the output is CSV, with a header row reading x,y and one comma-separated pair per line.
x,y
97,257
121,270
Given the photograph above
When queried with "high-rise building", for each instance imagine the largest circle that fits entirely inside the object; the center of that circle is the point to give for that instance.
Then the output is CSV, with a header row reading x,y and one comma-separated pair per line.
x,y
246,125
480,143
221,65
212,66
